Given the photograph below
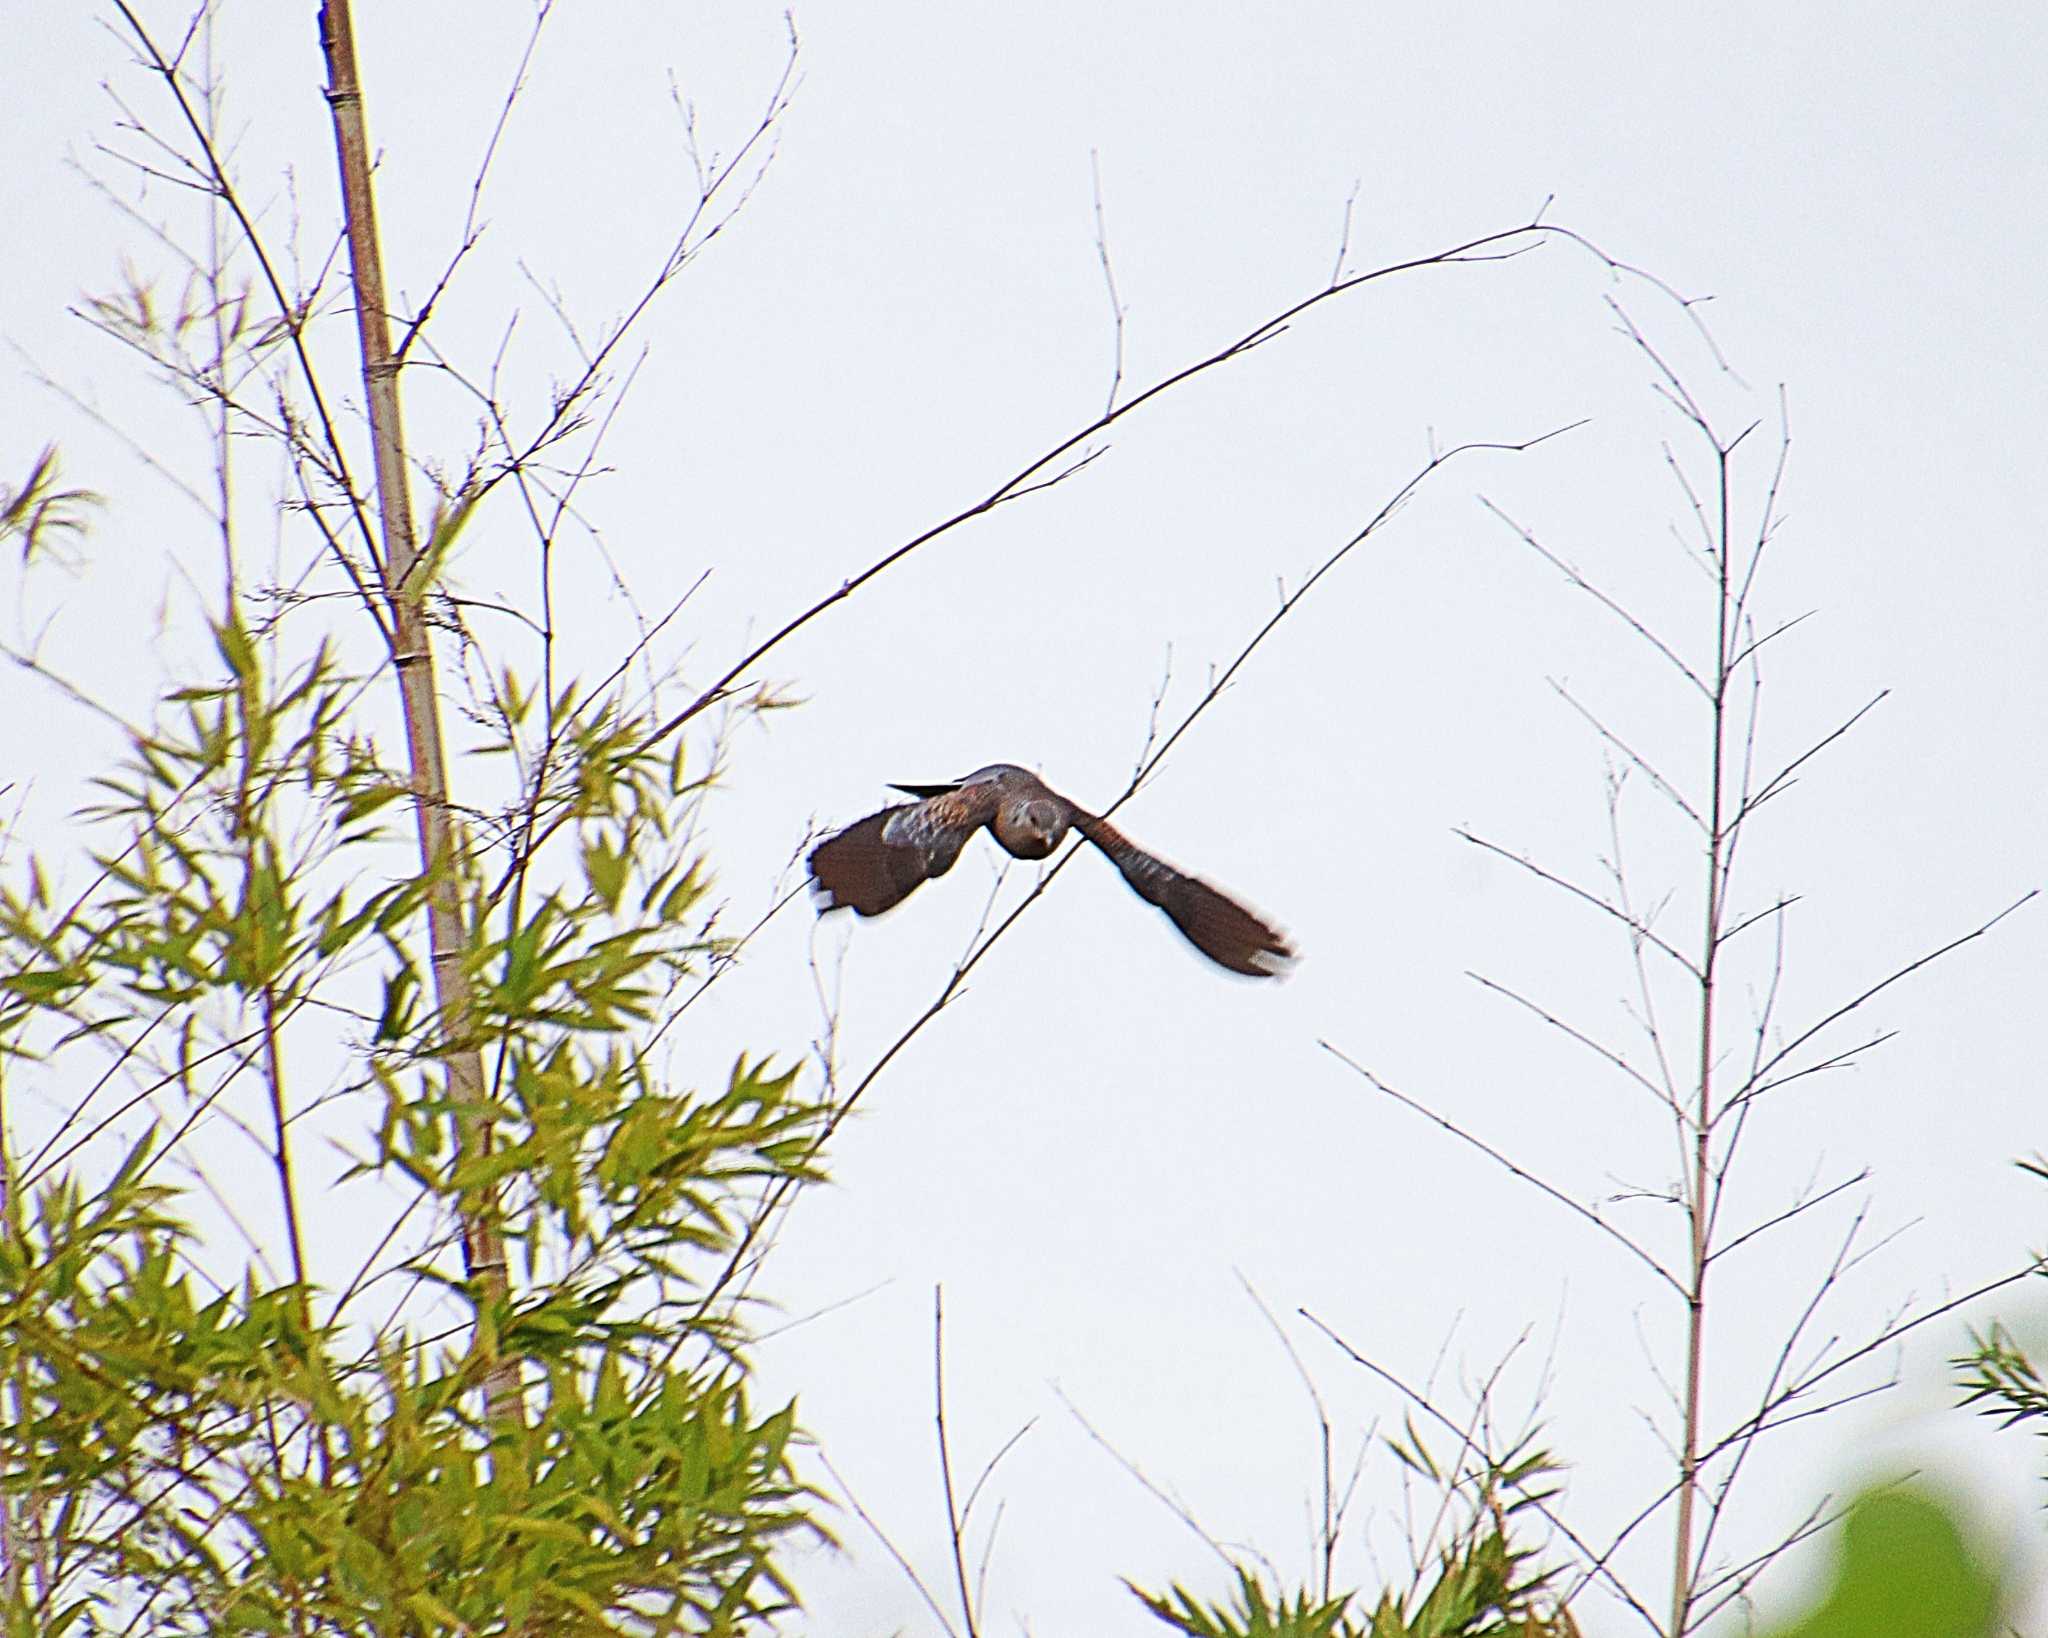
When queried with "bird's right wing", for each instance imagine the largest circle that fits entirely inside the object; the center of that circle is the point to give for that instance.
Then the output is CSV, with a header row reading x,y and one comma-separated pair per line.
x,y
875,863
1217,925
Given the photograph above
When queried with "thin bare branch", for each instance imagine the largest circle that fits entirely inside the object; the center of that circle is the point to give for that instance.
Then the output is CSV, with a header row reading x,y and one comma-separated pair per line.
x,y
1777,783
1749,650
1717,1593
1839,1060
988,1470
1326,1535
1798,1209
1884,1339
888,1546
1636,927
954,1517
1665,787
1173,1504
1614,607
1116,306
1766,530
1344,236
1498,246
1578,1208
1842,1011
472,230
1599,1049
1769,910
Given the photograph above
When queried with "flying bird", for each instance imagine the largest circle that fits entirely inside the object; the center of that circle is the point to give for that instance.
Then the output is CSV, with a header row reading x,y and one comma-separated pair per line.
x,y
875,864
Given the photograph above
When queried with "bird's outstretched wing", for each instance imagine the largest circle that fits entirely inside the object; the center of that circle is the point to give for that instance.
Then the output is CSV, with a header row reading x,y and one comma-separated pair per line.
x,y
876,863
1221,928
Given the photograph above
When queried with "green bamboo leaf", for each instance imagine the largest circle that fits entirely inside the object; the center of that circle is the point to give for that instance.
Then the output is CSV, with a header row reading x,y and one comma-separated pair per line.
x,y
678,901
605,869
444,528
41,515
236,650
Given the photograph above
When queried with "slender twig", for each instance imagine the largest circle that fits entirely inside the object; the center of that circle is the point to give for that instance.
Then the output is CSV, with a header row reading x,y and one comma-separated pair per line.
x,y
1751,1092
1598,1048
1576,1207
1718,1593
1779,781
1763,1418
1800,1208
1172,1503
1293,599
1665,787
988,1470
1574,578
1116,306
1843,1010
1777,908
1326,1534
955,1519
888,1546
1638,928
1749,650
472,230
1344,236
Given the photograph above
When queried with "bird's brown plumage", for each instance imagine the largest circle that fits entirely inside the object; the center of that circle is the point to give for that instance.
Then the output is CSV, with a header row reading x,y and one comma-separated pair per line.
x,y
874,864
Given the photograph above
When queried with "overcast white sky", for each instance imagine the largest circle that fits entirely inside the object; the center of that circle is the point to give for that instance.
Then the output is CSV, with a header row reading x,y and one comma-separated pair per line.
x,y
1105,1136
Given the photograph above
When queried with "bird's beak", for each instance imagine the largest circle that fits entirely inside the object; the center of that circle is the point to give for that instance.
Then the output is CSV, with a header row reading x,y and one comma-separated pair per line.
x,y
926,790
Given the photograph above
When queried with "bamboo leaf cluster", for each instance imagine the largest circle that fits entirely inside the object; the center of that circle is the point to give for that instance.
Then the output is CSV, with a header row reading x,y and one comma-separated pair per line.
x,y
257,1426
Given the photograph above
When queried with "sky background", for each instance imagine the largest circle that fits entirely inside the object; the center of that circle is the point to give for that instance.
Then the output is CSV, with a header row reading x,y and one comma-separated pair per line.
x,y
1105,1142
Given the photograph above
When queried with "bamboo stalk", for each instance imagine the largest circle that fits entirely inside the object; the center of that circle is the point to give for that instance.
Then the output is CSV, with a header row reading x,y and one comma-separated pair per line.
x,y
412,657
1719,841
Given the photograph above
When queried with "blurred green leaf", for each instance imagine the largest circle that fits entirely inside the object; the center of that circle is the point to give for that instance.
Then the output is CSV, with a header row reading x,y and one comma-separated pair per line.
x,y
1904,1569
40,514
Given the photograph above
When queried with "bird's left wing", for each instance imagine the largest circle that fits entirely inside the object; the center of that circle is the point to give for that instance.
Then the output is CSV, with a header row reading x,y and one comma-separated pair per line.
x,y
876,863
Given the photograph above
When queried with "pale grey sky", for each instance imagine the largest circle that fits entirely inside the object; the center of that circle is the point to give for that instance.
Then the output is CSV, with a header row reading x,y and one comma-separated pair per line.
x,y
1104,1136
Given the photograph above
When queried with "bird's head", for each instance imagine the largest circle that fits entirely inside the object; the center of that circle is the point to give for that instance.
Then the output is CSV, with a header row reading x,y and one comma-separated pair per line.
x,y
1032,828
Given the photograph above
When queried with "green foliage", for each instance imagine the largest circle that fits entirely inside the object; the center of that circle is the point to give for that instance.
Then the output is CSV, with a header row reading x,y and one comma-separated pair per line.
x,y
1998,1375
2000,1378
1906,1570
212,1464
1480,1583
191,1443
433,1332
1252,1613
